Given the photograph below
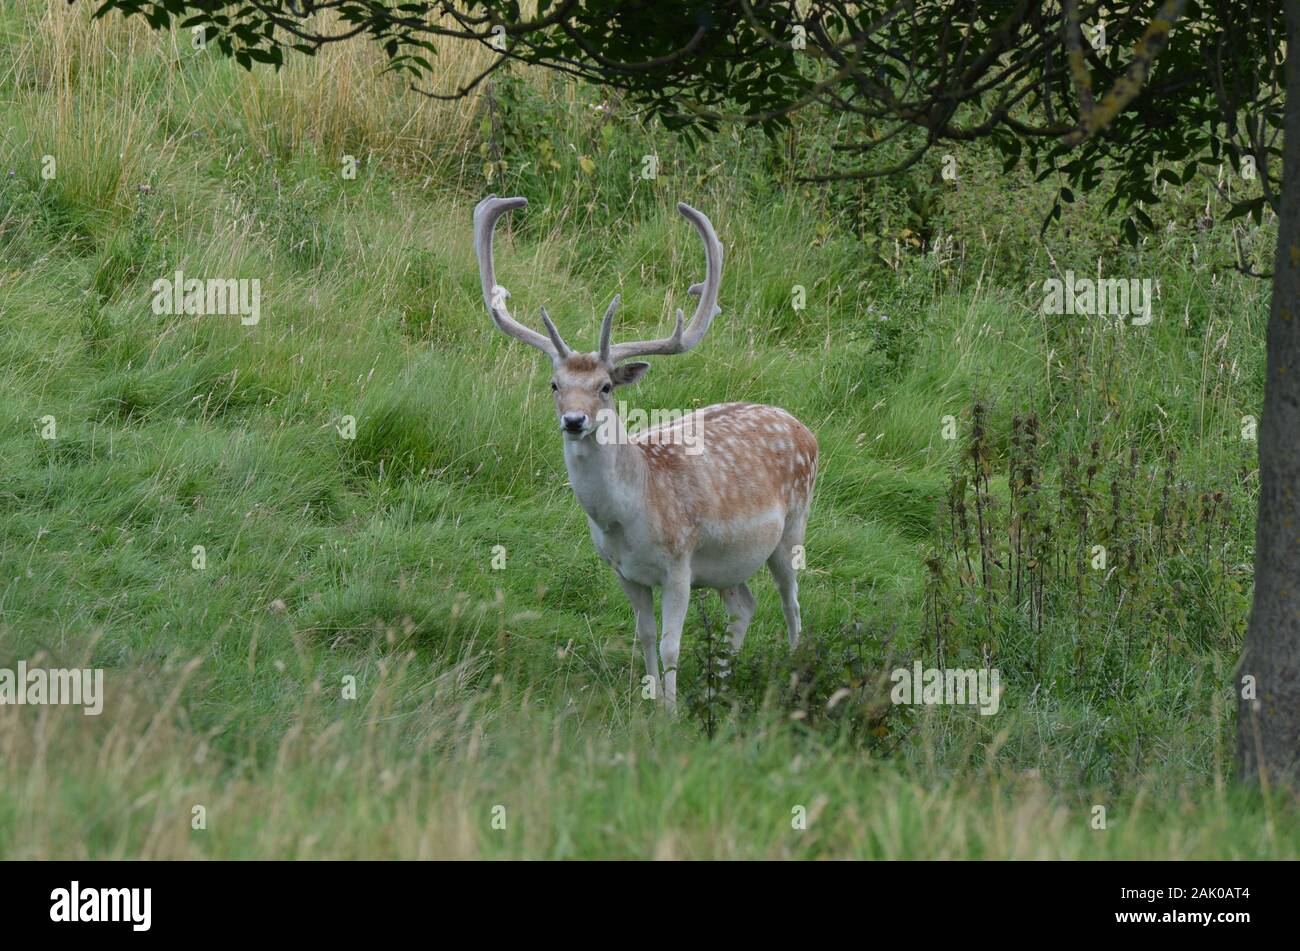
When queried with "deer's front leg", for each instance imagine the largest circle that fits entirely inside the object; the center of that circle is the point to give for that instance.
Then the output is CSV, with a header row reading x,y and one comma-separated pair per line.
x,y
642,600
676,598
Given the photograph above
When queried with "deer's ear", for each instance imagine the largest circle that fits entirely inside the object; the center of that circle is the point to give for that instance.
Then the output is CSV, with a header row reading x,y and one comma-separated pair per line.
x,y
628,373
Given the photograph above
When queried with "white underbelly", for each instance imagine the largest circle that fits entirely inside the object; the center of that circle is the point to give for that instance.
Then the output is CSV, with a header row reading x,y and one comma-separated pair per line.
x,y
729,554
725,554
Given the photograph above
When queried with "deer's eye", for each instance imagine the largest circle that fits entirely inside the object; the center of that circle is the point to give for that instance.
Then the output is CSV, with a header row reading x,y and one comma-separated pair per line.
x,y
554,386
607,388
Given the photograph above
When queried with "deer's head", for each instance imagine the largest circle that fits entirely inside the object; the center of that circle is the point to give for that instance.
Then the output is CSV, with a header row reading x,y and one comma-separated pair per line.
x,y
583,383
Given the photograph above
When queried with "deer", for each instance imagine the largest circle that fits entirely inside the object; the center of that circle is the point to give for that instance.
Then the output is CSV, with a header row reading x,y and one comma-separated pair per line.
x,y
702,502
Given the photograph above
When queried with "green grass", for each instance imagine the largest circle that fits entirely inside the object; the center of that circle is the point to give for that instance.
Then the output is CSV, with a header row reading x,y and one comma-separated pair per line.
x,y
371,558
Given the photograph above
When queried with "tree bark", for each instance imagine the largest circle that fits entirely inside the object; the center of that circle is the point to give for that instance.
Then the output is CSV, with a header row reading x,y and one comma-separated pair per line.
x,y
1268,726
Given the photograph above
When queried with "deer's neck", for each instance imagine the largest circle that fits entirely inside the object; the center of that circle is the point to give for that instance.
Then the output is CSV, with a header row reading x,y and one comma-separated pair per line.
x,y
608,477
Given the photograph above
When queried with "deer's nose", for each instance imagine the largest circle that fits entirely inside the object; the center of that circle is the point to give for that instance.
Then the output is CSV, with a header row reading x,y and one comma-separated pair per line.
x,y
573,422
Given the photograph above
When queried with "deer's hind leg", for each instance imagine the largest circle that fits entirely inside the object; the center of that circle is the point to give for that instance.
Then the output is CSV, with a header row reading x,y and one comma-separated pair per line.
x,y
784,564
739,603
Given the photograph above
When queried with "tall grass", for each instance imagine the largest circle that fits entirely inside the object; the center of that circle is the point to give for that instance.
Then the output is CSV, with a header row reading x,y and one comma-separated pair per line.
x,y
426,769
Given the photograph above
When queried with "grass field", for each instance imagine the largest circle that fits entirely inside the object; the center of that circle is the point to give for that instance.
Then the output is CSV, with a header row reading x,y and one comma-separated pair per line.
x,y
350,463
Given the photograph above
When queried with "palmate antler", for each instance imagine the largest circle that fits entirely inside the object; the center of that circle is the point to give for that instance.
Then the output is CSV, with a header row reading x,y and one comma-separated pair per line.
x,y
705,311
492,208
495,296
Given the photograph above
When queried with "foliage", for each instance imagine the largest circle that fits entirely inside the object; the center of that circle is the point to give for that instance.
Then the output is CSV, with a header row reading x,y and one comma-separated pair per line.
x,y
1193,85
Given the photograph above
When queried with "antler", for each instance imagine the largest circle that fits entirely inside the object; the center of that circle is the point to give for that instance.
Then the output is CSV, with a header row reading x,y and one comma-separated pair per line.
x,y
705,311
486,214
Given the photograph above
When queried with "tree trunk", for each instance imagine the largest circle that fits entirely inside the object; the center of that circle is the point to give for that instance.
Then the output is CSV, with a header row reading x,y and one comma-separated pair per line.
x,y
1268,726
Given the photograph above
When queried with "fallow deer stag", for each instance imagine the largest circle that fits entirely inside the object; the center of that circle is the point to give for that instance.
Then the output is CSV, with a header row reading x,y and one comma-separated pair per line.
x,y
665,511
